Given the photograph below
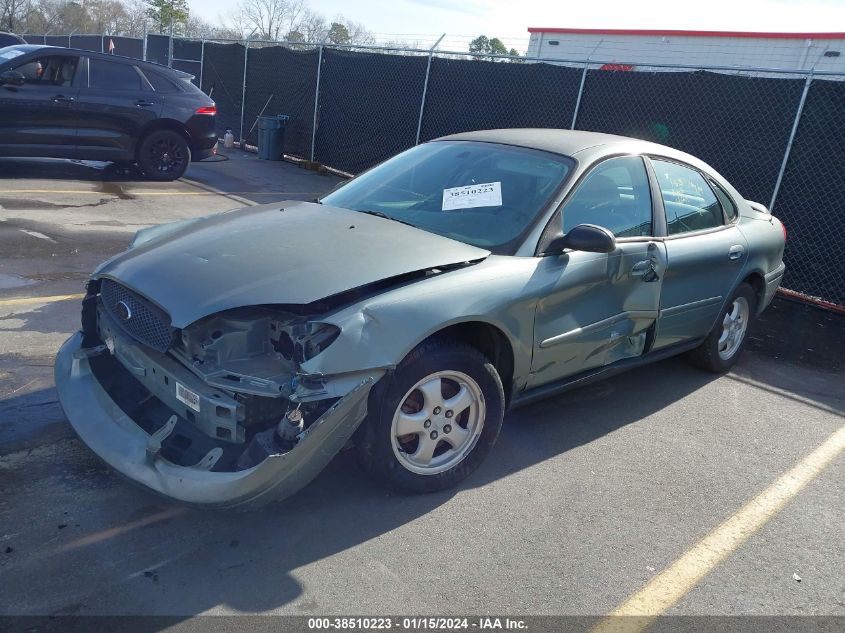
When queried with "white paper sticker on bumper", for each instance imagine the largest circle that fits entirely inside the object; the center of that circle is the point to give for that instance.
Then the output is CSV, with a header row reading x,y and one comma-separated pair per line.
x,y
183,394
488,194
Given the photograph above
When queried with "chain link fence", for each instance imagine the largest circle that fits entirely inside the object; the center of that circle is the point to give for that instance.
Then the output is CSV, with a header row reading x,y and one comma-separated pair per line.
x,y
811,198
777,135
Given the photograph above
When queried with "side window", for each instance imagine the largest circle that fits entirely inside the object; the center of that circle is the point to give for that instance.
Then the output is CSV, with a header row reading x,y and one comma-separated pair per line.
x,y
615,195
689,201
108,75
160,83
726,202
49,71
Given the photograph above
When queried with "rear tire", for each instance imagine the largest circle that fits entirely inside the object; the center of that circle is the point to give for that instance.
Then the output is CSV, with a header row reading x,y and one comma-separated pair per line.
x,y
433,421
723,346
164,155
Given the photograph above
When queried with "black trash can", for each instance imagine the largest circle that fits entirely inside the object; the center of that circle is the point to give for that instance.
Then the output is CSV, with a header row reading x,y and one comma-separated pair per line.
x,y
271,136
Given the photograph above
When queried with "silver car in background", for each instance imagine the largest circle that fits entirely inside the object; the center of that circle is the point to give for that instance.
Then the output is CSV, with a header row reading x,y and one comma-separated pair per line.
x,y
224,361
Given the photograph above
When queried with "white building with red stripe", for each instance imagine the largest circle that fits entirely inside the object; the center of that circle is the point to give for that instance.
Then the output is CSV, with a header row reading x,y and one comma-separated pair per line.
x,y
621,49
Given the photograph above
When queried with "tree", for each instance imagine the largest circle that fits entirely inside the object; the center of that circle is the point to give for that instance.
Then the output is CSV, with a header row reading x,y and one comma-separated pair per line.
x,y
163,12
338,34
271,19
491,46
13,13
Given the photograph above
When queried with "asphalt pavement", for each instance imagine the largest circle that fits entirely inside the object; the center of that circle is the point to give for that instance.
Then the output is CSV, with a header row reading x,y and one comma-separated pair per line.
x,y
586,500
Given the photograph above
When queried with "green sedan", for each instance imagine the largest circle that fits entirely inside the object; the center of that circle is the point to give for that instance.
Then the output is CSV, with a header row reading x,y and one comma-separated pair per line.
x,y
223,361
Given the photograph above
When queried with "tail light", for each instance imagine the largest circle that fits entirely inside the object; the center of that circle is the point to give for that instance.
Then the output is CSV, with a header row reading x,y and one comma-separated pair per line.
x,y
210,110
783,228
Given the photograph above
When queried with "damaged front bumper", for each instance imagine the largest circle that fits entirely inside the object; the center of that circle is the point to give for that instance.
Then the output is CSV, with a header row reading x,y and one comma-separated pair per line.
x,y
129,449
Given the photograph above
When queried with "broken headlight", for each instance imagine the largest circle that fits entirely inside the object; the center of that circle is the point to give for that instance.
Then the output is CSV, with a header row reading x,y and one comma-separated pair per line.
x,y
304,341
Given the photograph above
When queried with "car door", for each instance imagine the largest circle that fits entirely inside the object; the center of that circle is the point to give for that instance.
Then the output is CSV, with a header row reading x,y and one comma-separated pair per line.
x,y
705,250
114,105
599,308
37,117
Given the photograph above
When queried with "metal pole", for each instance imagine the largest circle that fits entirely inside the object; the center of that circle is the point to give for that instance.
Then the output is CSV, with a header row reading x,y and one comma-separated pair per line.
x,y
791,140
170,42
144,44
425,86
316,100
243,93
581,87
580,93
202,62
102,47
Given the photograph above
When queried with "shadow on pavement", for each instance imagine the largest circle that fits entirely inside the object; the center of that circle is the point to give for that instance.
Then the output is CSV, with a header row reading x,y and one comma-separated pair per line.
x,y
247,562
253,555
61,169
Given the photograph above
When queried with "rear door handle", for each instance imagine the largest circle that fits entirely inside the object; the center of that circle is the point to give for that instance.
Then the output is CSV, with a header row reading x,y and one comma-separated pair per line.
x,y
144,104
63,99
735,252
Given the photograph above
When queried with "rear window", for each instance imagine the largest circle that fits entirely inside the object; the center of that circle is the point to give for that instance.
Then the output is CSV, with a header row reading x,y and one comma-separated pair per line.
x,y
108,75
159,82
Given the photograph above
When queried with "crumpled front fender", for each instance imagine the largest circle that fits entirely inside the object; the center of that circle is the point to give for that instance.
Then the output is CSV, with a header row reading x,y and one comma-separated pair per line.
x,y
121,443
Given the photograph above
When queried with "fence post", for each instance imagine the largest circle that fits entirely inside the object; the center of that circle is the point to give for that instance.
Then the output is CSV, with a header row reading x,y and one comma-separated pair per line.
x,y
580,93
316,99
144,45
102,47
243,94
170,45
202,62
791,139
425,86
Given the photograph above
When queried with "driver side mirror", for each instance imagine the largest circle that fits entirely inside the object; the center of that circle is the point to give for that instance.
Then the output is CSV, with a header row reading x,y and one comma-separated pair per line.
x,y
583,237
12,78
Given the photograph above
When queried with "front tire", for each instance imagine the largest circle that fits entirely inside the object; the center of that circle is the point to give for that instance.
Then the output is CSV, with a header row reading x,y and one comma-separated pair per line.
x,y
723,346
433,421
164,155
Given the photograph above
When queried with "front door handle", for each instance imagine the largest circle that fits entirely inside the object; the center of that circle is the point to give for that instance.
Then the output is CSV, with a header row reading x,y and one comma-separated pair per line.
x,y
63,99
144,104
641,268
644,269
735,252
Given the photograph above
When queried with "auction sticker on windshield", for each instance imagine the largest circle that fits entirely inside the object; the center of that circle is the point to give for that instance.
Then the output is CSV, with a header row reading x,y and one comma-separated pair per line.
x,y
188,397
488,194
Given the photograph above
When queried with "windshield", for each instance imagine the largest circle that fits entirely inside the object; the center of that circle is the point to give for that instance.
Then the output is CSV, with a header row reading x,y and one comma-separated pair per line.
x,y
484,194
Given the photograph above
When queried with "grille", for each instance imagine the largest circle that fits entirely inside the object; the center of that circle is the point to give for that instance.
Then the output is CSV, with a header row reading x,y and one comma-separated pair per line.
x,y
147,323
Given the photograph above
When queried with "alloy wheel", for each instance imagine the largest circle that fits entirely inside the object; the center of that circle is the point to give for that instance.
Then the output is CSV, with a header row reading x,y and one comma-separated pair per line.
x,y
734,326
167,155
438,422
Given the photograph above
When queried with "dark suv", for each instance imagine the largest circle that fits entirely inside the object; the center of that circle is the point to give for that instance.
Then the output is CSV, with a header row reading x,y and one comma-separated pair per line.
x,y
67,103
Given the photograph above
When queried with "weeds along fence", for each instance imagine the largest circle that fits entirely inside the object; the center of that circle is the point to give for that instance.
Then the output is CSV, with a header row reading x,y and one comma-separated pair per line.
x,y
778,135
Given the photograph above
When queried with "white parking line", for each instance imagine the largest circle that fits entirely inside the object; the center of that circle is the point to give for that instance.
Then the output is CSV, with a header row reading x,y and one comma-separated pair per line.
x,y
40,236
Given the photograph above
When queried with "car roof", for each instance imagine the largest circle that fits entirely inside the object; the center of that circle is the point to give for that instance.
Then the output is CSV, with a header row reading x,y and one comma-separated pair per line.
x,y
28,48
24,48
580,144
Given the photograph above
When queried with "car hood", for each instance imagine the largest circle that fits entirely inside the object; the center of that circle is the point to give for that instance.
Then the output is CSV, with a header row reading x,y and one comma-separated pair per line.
x,y
282,253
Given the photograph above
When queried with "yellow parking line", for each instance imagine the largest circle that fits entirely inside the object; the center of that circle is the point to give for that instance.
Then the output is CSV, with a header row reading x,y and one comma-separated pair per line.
x,y
28,300
122,529
673,583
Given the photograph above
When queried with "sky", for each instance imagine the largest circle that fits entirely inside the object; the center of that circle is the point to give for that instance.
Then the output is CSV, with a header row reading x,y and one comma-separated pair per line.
x,y
509,20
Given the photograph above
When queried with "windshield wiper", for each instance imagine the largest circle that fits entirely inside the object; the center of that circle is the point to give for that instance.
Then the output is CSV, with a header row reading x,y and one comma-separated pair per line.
x,y
380,214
